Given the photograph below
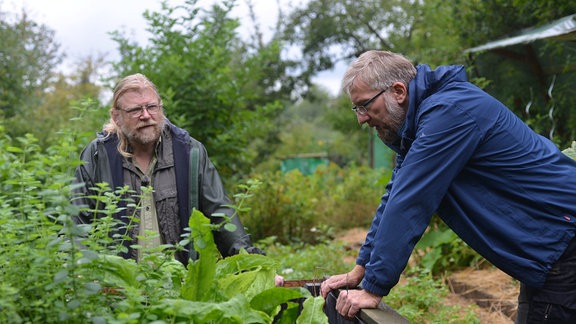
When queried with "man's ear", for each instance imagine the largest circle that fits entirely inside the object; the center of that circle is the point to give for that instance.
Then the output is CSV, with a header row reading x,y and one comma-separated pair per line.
x,y
400,92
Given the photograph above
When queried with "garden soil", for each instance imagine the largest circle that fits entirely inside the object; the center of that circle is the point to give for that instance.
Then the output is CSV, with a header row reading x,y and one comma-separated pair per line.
x,y
493,292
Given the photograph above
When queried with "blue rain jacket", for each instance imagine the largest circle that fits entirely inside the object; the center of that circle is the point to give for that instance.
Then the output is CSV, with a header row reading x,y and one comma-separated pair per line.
x,y
508,192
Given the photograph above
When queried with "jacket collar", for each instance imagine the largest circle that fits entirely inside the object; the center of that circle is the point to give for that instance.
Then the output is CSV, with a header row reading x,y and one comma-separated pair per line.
x,y
426,83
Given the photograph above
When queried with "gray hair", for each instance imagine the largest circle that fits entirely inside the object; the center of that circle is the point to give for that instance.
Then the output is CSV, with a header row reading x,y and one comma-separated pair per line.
x,y
378,70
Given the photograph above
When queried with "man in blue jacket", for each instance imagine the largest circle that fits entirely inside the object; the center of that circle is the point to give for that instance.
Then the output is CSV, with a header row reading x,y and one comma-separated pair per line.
x,y
508,192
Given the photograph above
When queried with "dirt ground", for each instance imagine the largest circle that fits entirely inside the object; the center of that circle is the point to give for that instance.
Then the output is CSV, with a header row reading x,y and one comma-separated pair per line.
x,y
494,292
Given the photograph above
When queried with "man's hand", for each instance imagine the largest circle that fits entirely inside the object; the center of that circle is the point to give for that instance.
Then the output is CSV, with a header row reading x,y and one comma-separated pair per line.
x,y
347,280
350,302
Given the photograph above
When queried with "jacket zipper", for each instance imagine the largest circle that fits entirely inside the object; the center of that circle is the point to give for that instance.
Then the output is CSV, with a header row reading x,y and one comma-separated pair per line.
x,y
547,312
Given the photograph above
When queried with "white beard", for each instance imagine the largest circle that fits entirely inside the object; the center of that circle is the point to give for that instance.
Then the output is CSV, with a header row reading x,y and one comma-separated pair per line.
x,y
389,134
144,136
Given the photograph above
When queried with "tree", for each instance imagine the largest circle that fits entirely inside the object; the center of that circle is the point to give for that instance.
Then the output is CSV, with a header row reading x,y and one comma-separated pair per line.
x,y
534,80
28,56
328,31
430,31
221,89
437,32
70,96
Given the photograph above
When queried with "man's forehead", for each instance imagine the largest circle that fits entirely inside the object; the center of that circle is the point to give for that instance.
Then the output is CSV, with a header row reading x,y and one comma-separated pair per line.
x,y
138,94
360,91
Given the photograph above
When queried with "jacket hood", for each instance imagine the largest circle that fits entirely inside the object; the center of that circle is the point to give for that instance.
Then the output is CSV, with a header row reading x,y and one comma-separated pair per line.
x,y
426,83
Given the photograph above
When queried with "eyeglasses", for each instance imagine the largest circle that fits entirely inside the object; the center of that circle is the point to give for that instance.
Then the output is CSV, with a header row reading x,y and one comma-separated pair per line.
x,y
362,109
136,112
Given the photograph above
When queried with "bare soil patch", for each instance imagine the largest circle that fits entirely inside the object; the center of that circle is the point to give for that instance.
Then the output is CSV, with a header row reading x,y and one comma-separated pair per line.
x,y
493,291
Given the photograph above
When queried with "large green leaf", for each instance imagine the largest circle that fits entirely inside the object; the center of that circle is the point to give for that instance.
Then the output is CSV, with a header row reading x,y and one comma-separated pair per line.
x,y
235,310
248,274
435,238
313,312
119,272
199,283
245,262
269,300
248,283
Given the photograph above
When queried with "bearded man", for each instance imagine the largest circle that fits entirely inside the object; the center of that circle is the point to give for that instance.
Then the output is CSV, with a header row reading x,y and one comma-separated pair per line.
x,y
139,148
508,192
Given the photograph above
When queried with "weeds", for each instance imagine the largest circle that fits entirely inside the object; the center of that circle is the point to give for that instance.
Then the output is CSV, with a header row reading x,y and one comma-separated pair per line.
x,y
290,206
54,270
311,262
420,300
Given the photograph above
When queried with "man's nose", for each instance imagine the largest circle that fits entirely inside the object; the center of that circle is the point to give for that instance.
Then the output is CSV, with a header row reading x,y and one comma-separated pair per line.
x,y
362,118
145,114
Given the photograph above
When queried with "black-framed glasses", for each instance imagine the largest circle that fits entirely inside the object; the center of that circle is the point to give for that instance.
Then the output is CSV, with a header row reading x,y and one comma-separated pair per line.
x,y
362,109
136,112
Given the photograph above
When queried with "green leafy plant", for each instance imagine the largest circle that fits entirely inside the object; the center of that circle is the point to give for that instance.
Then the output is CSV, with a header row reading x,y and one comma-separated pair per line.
x,y
571,151
54,270
420,300
306,261
292,206
440,250
231,290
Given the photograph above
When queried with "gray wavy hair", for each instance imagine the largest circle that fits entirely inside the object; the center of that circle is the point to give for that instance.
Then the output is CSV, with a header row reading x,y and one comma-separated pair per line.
x,y
378,69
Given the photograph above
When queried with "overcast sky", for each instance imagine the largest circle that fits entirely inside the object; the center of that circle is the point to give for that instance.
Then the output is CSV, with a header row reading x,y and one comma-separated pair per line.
x,y
82,27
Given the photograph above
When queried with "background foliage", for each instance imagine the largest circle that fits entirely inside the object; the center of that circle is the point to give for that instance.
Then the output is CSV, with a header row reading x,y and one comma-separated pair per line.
x,y
438,32
297,208
55,271
209,76
232,92
252,102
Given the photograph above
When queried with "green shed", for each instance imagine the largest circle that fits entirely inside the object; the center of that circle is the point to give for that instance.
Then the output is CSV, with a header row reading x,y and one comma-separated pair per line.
x,y
306,163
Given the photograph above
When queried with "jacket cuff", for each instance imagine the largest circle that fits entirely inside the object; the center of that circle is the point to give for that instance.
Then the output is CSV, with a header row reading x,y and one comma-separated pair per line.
x,y
254,250
374,289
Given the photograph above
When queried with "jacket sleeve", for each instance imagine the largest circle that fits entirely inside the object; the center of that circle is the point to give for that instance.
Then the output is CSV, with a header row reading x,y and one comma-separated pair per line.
x,y
366,249
93,170
213,199
445,140
83,181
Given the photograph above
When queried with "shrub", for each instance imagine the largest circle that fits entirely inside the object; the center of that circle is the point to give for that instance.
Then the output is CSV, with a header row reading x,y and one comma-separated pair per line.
x,y
292,207
311,262
53,270
420,300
